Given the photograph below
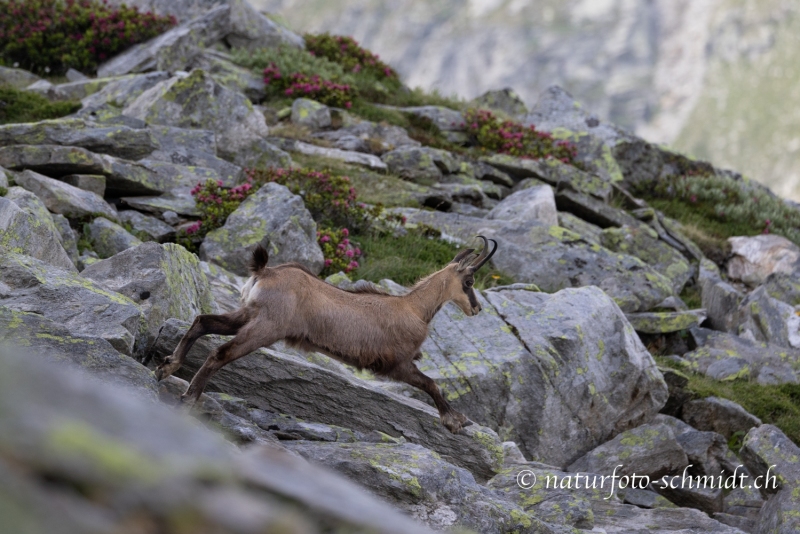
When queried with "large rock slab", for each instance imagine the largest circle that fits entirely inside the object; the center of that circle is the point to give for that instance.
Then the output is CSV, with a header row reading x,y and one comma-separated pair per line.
x,y
665,322
82,306
56,423
614,518
366,136
17,78
720,299
311,114
65,199
106,105
282,383
122,177
225,286
115,140
598,377
147,226
192,148
25,232
419,482
647,450
421,165
274,217
198,101
165,281
554,258
348,156
724,356
755,258
531,204
722,416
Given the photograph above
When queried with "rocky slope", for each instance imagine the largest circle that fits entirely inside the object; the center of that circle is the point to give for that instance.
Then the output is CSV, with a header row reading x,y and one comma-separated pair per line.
x,y
554,371
714,78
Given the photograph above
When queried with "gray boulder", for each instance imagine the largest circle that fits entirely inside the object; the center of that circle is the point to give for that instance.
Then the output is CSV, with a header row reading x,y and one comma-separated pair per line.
x,y
533,204
720,299
348,156
65,199
724,356
55,342
106,104
366,136
225,286
29,202
579,340
665,322
96,183
755,258
198,101
422,165
82,306
311,114
504,100
164,280
122,177
17,78
71,428
23,232
554,258
274,217
69,238
614,518
722,416
108,238
763,318
234,77
420,483
278,382
178,201
647,450
145,225
115,140
192,148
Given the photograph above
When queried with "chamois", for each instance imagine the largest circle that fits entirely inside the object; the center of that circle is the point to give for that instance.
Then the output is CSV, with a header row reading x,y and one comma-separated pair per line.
x,y
366,328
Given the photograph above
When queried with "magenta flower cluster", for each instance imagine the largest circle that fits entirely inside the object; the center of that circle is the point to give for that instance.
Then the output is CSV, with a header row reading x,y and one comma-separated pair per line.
x,y
340,253
349,54
314,87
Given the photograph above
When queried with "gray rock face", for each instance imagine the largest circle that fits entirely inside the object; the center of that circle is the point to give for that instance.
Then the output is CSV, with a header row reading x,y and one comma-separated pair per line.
x,y
311,114
532,204
755,258
446,119
665,322
763,318
69,238
64,429
122,177
621,519
225,286
554,258
274,217
115,140
82,306
579,339
21,231
278,382
65,199
231,75
106,105
29,202
198,101
109,238
719,415
192,148
55,342
650,450
422,165
348,156
720,300
154,228
96,183
426,487
165,281
726,356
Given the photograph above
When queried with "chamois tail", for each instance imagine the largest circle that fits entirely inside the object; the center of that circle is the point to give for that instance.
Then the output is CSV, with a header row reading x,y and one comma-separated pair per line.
x,y
259,259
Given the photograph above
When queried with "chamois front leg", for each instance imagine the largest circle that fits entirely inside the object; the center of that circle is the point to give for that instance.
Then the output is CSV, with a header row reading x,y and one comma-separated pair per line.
x,y
226,324
409,373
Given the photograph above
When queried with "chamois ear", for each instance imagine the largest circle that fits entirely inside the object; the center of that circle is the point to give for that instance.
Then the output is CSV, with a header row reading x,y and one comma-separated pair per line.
x,y
463,254
259,259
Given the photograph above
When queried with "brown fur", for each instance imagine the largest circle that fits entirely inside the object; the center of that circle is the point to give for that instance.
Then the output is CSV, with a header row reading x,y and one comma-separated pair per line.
x,y
366,328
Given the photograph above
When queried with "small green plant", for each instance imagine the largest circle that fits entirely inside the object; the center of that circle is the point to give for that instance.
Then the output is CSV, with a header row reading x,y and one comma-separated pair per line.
x,y
721,206
510,137
25,106
289,59
50,36
215,203
298,85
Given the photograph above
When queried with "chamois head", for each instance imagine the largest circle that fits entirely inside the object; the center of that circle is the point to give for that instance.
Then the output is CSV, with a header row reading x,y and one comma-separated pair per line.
x,y
463,268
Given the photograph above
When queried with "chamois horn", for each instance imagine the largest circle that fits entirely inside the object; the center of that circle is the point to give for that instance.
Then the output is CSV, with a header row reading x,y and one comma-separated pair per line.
x,y
485,254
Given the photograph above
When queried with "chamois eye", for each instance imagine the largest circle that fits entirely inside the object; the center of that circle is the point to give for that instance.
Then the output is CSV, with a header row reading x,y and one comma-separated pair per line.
x,y
469,283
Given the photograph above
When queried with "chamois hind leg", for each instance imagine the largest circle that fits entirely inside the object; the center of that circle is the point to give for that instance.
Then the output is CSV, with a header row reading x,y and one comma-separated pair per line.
x,y
254,335
407,372
227,324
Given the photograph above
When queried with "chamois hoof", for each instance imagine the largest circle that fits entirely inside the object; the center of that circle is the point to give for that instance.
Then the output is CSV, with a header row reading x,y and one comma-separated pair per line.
x,y
455,421
166,369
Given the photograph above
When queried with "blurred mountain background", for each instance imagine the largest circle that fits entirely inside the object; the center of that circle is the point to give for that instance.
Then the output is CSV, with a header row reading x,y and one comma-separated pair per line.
x,y
715,79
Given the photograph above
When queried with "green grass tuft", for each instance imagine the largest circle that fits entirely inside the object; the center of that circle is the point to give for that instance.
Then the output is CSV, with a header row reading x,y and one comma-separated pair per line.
x,y
776,405
24,106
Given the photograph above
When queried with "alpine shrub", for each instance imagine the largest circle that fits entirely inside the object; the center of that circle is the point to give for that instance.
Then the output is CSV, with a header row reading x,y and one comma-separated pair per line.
x,y
50,36
346,52
510,137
